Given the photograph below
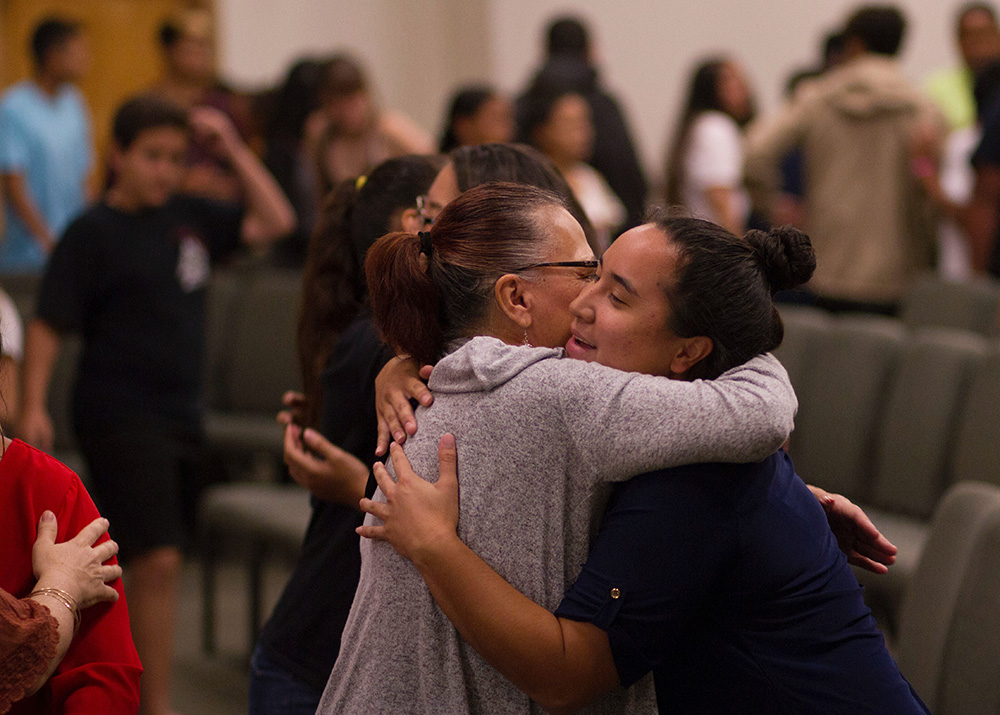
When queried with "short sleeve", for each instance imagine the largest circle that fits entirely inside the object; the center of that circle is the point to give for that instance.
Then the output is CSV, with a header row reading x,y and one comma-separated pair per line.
x,y
715,152
14,143
11,329
66,286
222,223
661,545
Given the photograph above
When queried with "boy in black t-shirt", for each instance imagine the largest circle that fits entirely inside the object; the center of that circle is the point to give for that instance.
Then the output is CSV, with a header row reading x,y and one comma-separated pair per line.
x,y
129,276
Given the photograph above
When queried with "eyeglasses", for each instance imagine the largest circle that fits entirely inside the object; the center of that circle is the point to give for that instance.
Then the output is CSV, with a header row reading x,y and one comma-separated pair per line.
x,y
595,264
428,209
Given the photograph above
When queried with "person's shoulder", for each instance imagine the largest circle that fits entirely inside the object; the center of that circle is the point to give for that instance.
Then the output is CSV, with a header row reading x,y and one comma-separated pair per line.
x,y
716,124
38,472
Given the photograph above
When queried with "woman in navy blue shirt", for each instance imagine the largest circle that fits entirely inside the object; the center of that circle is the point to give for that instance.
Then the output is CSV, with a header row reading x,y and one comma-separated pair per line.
x,y
725,579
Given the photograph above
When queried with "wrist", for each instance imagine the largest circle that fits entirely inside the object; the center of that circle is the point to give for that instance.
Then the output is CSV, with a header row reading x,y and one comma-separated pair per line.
x,y
56,580
436,550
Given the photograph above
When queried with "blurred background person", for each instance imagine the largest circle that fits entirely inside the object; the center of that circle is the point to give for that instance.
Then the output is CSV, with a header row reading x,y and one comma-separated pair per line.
x,y
978,39
285,112
871,224
350,134
558,123
189,79
46,149
477,114
570,66
704,169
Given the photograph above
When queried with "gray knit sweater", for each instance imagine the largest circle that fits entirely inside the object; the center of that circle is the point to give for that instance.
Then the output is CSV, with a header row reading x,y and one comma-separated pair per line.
x,y
540,438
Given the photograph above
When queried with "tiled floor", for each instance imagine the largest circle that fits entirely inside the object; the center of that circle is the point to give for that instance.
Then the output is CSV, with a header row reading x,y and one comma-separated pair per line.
x,y
216,685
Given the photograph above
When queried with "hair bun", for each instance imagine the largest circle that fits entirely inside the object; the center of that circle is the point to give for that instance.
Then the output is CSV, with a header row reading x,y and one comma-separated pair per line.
x,y
785,254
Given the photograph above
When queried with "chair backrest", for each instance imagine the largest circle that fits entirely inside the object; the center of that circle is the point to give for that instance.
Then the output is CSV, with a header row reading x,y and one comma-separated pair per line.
x,y
977,443
223,302
936,588
803,328
969,682
841,399
916,432
262,364
966,305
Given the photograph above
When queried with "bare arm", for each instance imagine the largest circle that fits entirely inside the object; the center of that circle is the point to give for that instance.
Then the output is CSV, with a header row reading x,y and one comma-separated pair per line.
x,y
269,215
723,203
561,664
40,352
24,207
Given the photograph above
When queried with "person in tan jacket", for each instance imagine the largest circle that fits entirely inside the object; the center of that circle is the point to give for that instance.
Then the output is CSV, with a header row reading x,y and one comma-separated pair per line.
x,y
871,225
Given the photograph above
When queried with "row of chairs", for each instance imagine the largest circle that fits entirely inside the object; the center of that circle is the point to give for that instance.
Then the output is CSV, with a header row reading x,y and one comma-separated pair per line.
x,y
949,630
972,305
891,417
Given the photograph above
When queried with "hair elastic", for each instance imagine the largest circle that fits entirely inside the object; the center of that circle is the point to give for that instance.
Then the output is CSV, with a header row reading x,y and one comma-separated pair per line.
x,y
425,243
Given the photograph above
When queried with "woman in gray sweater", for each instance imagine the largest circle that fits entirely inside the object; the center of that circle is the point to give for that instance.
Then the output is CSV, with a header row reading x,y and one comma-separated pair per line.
x,y
541,437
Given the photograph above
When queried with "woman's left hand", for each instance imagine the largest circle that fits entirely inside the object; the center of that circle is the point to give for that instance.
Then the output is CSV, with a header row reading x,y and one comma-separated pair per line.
x,y
861,542
417,516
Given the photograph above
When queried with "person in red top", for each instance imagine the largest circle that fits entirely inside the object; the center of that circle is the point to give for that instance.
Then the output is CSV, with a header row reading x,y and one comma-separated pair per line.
x,y
100,671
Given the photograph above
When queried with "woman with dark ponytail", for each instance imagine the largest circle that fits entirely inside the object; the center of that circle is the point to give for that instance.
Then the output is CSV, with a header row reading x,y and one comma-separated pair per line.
x,y
340,354
725,578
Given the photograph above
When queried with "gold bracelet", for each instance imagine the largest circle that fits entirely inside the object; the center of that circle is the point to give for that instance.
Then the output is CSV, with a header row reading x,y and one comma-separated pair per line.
x,y
65,599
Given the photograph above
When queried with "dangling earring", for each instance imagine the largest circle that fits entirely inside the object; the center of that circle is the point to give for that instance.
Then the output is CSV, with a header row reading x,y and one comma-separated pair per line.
x,y
526,343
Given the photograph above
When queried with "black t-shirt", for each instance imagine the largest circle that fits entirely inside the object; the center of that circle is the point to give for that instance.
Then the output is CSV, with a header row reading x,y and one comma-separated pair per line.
x,y
303,634
133,285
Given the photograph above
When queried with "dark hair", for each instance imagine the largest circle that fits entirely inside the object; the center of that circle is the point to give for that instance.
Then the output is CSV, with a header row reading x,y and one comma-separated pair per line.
x,y
703,96
879,28
51,34
292,102
833,45
145,112
333,282
567,36
464,105
536,107
723,286
971,8
519,164
342,76
486,232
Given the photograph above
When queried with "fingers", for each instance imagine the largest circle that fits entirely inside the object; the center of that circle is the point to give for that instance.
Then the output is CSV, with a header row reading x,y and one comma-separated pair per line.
x,y
417,389
384,436
875,554
321,445
377,509
91,532
425,374
107,593
293,399
447,463
400,463
285,417
111,572
106,550
376,533
867,564
401,422
47,528
383,480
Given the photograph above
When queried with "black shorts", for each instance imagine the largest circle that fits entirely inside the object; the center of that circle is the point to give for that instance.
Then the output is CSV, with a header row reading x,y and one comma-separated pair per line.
x,y
146,480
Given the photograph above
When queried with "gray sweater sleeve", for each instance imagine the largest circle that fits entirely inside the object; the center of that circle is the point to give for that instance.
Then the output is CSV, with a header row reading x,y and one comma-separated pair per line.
x,y
625,424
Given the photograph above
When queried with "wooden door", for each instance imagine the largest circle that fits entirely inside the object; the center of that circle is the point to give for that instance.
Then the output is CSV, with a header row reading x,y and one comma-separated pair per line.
x,y
124,50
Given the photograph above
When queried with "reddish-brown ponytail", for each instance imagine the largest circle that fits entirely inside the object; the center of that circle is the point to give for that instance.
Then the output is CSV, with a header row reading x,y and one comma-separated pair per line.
x,y
426,291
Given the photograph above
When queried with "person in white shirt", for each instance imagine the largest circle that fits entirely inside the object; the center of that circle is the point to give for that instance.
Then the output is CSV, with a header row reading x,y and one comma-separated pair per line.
x,y
704,168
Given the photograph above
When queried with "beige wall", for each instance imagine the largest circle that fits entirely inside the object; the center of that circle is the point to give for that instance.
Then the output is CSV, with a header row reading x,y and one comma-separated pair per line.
x,y
419,51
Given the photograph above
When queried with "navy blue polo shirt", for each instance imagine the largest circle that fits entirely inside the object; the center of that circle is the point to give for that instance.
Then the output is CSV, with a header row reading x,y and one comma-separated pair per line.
x,y
726,580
